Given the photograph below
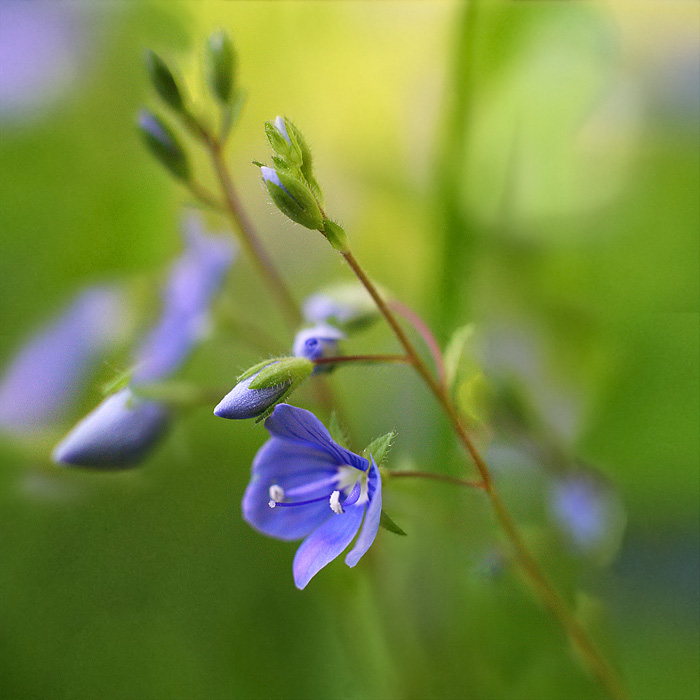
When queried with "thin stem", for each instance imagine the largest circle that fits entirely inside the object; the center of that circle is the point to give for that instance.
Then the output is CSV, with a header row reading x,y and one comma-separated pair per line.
x,y
249,238
437,477
417,322
605,674
362,358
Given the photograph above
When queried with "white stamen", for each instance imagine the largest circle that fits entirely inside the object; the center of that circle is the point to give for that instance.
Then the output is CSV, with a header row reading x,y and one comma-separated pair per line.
x,y
335,503
271,503
276,494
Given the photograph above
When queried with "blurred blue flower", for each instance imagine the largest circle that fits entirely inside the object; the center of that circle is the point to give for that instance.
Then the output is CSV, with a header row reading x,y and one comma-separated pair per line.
x,y
304,485
192,283
47,374
347,305
121,430
42,50
242,402
317,342
588,512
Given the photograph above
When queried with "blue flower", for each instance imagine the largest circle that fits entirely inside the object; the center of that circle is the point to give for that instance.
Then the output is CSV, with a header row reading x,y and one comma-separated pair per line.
x,y
47,374
242,402
123,428
304,485
317,342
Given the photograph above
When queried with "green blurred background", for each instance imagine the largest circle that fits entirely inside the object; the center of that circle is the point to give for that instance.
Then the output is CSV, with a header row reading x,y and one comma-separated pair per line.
x,y
529,167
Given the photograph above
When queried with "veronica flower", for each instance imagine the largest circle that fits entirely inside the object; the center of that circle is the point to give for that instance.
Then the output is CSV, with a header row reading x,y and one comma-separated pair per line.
x,y
124,427
304,485
318,342
47,374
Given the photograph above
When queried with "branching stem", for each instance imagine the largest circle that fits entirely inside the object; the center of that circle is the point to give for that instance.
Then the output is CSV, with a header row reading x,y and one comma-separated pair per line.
x,y
598,665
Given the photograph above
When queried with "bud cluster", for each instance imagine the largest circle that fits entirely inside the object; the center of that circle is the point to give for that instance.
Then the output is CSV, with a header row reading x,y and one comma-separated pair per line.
x,y
292,185
220,72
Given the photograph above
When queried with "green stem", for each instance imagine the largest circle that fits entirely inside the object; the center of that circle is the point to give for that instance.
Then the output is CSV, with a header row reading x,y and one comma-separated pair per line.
x,y
249,238
600,668
361,358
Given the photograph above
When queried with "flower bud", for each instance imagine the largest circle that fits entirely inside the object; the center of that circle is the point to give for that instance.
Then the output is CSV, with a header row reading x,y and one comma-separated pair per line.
x,y
220,59
163,144
316,343
117,434
164,81
293,198
243,402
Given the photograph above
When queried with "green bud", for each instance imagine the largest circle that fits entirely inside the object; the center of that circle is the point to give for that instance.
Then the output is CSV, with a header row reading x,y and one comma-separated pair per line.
x,y
285,369
220,59
293,198
283,142
163,144
336,236
164,81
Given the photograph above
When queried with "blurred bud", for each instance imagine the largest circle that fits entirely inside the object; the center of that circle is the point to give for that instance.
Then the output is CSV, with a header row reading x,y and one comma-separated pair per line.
x,y
163,144
316,343
164,81
220,59
293,198
51,370
347,305
117,434
589,513
280,142
336,236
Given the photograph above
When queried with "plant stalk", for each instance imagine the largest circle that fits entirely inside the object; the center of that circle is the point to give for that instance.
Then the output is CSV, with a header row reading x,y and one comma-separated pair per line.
x,y
600,668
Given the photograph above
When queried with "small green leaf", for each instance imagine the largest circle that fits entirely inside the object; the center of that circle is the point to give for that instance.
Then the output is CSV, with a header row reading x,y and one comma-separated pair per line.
x,y
252,370
220,65
164,81
283,370
379,448
388,524
337,432
336,236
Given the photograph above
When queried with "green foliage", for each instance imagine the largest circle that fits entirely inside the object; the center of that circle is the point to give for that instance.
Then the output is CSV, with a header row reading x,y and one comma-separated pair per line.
x,y
379,448
220,66
388,524
164,81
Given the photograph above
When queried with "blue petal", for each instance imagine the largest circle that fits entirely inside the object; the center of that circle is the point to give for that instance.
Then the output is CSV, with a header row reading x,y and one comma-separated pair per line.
x,y
242,402
50,370
118,433
292,423
192,284
290,466
371,524
325,543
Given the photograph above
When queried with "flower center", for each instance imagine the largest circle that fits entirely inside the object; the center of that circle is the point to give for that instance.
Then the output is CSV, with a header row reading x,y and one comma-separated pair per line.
x,y
348,486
